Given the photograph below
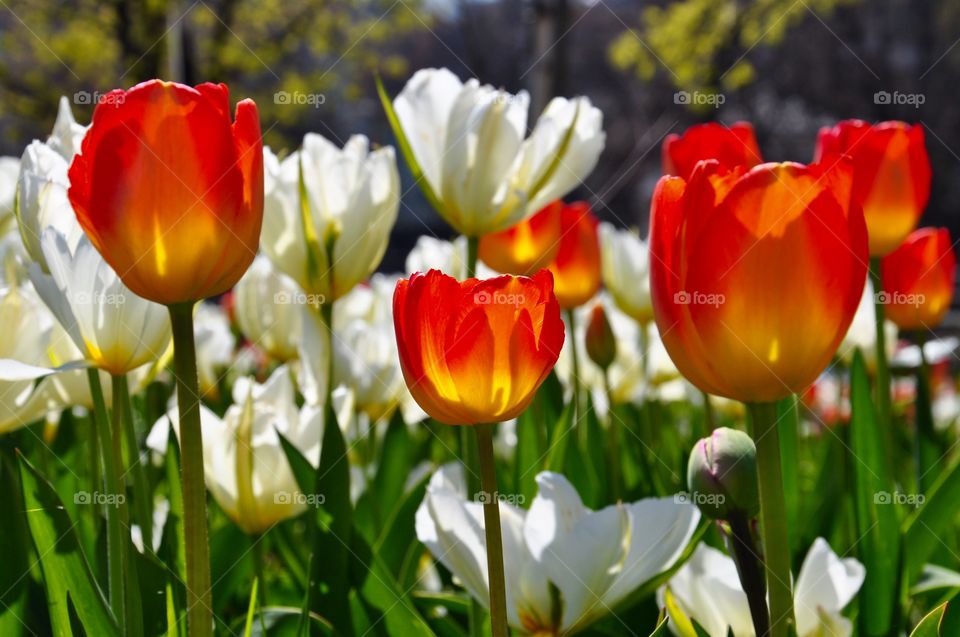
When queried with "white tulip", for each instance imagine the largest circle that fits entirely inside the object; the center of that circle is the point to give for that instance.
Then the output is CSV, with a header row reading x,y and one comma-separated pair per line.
x,y
26,329
9,172
268,307
450,257
115,329
245,466
470,142
708,590
625,262
862,333
365,353
935,351
353,196
215,345
67,133
42,200
595,559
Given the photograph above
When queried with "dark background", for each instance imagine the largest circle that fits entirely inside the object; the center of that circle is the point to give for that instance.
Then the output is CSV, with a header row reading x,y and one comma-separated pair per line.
x,y
787,66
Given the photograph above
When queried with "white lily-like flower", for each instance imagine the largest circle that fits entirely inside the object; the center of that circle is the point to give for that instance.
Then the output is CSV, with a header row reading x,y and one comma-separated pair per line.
x,y
566,566
352,195
268,306
26,331
862,333
625,261
245,466
114,329
935,351
470,142
42,200
708,590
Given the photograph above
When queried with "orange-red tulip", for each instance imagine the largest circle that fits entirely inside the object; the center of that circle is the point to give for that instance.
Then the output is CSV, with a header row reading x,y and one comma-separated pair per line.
x,y
476,351
526,247
918,279
891,175
170,190
576,267
756,274
732,146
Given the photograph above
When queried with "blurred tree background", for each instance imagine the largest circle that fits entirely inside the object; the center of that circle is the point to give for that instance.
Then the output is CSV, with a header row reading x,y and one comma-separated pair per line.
x,y
788,66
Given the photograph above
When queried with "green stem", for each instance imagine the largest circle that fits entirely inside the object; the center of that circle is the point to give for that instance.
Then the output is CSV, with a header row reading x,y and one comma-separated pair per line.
x,y
925,447
133,607
575,370
773,516
468,447
315,564
199,598
613,451
114,532
750,570
491,526
709,418
141,503
258,569
883,369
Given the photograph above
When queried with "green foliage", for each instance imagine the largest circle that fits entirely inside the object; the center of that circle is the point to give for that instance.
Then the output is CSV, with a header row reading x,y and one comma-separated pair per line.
x,y
703,45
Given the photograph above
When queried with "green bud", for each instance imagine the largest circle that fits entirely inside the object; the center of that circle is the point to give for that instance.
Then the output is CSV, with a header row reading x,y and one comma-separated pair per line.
x,y
722,475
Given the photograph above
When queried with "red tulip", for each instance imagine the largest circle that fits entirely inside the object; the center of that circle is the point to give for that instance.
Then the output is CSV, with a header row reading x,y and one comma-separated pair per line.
x,y
756,274
891,175
918,279
732,146
476,351
526,247
170,190
576,266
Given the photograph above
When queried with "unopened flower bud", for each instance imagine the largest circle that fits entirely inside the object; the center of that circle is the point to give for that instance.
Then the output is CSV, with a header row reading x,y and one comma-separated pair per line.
x,y
722,474
600,340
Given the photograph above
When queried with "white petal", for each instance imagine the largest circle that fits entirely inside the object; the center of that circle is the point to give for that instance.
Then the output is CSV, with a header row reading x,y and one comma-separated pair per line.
x,y
826,584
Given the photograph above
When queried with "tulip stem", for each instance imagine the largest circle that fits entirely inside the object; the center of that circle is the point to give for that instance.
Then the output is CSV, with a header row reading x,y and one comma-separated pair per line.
x,y
491,526
141,504
199,599
114,531
614,442
773,516
133,607
925,449
750,570
883,370
468,446
575,369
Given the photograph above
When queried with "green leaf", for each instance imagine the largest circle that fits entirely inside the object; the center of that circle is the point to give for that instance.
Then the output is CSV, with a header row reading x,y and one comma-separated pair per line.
x,y
877,524
303,471
661,629
336,527
15,566
560,436
929,626
251,608
398,537
397,458
66,572
924,528
406,150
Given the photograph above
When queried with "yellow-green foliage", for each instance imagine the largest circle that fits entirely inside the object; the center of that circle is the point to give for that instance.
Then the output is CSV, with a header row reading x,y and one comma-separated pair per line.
x,y
258,47
684,39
